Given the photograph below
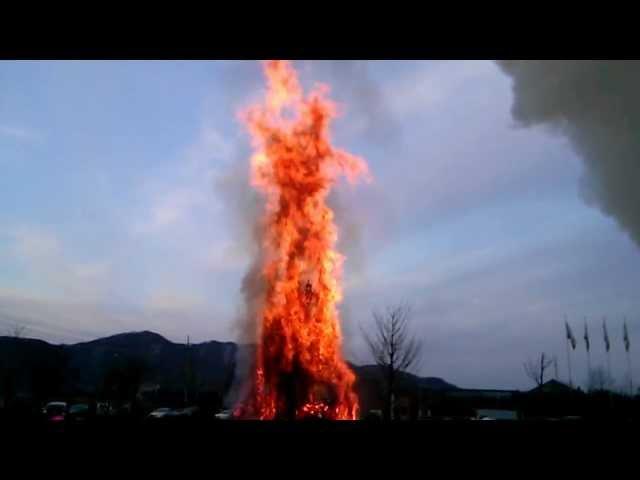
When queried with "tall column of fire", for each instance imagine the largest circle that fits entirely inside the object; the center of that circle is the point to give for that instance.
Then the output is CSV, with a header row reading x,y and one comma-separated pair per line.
x,y
299,369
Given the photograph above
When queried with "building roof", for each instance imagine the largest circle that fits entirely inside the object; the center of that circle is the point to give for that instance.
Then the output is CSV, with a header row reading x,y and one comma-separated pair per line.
x,y
481,392
553,386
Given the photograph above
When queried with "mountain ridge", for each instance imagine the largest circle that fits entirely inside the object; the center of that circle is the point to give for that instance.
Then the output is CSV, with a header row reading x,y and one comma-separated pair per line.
x,y
214,364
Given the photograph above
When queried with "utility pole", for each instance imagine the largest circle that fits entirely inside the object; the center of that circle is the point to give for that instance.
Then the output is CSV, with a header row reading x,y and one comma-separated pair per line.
x,y
627,346
187,374
587,344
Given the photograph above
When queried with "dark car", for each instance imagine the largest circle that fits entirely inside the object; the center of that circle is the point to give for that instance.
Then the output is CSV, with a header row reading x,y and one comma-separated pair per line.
x,y
188,412
55,412
78,413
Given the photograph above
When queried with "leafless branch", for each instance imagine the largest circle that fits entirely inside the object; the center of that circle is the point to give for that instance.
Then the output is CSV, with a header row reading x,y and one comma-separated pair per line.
x,y
16,331
535,369
393,345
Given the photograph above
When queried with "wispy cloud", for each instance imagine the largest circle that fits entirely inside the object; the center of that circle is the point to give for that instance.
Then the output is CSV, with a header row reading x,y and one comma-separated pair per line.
x,y
168,313
169,208
511,305
33,243
172,301
91,270
210,146
434,84
49,268
172,200
20,133
228,257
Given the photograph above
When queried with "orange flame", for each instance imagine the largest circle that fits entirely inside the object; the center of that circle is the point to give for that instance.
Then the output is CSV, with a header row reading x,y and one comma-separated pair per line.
x,y
299,368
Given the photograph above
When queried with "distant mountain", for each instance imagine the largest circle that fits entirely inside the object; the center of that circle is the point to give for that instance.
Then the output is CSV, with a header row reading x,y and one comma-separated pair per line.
x,y
86,364
212,365
29,365
376,373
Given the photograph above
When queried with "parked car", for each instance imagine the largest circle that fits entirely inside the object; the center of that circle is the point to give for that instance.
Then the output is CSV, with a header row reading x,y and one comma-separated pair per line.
x,y
160,413
188,412
78,413
223,415
55,412
123,410
373,416
103,409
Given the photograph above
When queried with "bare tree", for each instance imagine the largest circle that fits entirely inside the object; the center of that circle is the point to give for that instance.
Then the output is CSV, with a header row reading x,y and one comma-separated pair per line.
x,y
535,368
393,346
16,331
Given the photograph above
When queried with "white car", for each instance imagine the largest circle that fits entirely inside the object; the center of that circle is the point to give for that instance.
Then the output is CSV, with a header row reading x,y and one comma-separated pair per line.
x,y
160,413
223,415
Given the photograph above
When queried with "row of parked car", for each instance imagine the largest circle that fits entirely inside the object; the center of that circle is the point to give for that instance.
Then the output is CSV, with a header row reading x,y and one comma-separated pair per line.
x,y
59,412
185,412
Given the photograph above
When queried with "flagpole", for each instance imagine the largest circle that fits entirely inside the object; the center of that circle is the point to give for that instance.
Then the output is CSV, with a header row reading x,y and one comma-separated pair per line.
x,y
607,346
568,352
587,344
588,365
569,363
630,377
627,345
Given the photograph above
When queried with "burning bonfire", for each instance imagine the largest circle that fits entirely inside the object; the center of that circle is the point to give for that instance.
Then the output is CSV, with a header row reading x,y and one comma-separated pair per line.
x,y
299,370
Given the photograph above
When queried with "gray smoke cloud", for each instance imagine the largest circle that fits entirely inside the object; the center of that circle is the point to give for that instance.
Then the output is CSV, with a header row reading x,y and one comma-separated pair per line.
x,y
596,105
360,97
352,85
244,208
242,81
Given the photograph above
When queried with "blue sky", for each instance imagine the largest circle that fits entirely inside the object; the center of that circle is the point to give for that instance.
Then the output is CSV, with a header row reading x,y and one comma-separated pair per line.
x,y
123,193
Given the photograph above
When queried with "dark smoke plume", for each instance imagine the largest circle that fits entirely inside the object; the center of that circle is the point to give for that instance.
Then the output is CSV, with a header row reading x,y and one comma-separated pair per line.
x,y
359,96
244,208
596,105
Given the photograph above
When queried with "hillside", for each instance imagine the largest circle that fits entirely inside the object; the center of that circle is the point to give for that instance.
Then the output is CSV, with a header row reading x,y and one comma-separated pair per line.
x,y
37,366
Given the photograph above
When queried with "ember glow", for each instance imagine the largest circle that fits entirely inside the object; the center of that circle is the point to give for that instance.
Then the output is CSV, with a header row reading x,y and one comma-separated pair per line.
x,y
299,369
